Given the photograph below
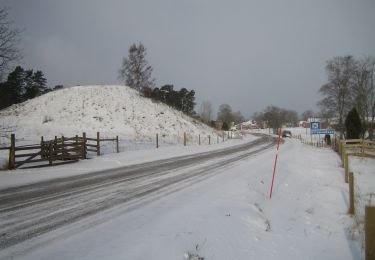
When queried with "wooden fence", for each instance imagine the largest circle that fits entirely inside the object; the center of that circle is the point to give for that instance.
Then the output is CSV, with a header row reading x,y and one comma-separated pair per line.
x,y
354,147
321,143
61,150
362,212
189,139
54,152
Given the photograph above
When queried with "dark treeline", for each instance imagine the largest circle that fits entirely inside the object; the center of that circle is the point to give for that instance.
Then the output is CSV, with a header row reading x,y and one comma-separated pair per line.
x,y
275,117
182,100
22,85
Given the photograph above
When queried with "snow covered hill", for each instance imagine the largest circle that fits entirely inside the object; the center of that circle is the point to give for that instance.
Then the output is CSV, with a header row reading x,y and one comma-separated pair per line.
x,y
111,110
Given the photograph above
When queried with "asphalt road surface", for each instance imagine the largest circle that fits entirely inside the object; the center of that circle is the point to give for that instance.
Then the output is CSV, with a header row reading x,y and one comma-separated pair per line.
x,y
31,210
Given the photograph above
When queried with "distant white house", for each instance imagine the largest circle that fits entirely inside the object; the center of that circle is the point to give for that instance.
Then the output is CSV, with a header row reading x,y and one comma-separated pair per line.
x,y
251,124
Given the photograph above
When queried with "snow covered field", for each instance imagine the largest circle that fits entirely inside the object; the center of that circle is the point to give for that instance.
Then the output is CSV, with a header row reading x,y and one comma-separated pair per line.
x,y
228,216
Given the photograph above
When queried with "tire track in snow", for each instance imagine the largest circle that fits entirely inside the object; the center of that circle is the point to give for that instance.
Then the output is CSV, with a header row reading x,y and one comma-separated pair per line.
x,y
32,210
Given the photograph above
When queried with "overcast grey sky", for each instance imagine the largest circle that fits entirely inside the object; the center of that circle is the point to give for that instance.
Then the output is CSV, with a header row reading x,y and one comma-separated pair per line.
x,y
249,53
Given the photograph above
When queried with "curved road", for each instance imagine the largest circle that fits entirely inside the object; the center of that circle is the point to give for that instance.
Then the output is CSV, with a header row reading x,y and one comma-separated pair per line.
x,y
32,210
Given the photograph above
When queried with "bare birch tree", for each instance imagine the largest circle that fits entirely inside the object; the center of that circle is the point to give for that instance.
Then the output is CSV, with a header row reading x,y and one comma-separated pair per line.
x,y
362,88
9,40
206,111
135,71
337,98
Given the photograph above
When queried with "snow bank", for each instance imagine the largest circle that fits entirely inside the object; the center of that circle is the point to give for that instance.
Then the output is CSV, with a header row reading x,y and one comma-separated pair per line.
x,y
364,190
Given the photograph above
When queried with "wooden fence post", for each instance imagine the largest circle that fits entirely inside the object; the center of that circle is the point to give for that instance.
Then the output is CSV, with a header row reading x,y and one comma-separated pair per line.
x,y
50,153
84,147
362,148
63,148
12,152
117,149
351,193
77,151
370,232
199,139
184,138
346,167
209,139
42,150
217,139
223,136
55,146
97,144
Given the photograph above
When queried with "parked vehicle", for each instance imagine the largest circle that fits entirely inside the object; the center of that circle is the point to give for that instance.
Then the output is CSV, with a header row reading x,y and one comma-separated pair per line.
x,y
286,133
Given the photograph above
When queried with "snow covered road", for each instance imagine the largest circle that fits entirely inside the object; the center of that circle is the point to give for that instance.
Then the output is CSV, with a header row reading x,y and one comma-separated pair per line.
x,y
31,210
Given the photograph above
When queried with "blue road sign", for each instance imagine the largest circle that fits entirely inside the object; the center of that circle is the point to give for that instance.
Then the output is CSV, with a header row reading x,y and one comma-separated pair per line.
x,y
315,125
323,132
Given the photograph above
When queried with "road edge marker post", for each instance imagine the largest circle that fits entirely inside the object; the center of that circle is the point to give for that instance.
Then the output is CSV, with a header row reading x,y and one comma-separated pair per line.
x,y
274,166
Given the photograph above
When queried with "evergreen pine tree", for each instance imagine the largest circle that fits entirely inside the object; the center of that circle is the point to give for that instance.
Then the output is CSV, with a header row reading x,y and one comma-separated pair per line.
x,y
353,125
39,83
30,91
190,104
5,95
15,85
20,86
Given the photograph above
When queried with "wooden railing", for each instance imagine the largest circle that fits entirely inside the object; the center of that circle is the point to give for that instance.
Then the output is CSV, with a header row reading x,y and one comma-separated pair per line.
x,y
54,152
355,147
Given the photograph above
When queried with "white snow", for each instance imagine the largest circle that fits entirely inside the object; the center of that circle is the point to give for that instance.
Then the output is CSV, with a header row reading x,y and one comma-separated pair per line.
x,y
364,190
228,216
110,110
12,178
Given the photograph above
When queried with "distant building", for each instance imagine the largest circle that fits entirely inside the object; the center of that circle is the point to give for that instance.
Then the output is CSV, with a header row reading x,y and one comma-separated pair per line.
x,y
248,125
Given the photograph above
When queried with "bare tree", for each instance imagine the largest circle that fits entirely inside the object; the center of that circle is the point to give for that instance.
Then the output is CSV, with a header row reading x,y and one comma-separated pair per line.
x,y
289,117
363,90
337,91
135,71
275,117
9,51
258,117
225,114
371,99
206,111
272,115
238,117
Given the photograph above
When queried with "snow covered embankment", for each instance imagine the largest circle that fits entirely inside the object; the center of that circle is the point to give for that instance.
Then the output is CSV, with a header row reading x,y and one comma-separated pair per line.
x,y
230,216
111,110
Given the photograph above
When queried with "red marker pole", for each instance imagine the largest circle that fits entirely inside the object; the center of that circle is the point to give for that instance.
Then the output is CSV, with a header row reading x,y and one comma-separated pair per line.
x,y
274,166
